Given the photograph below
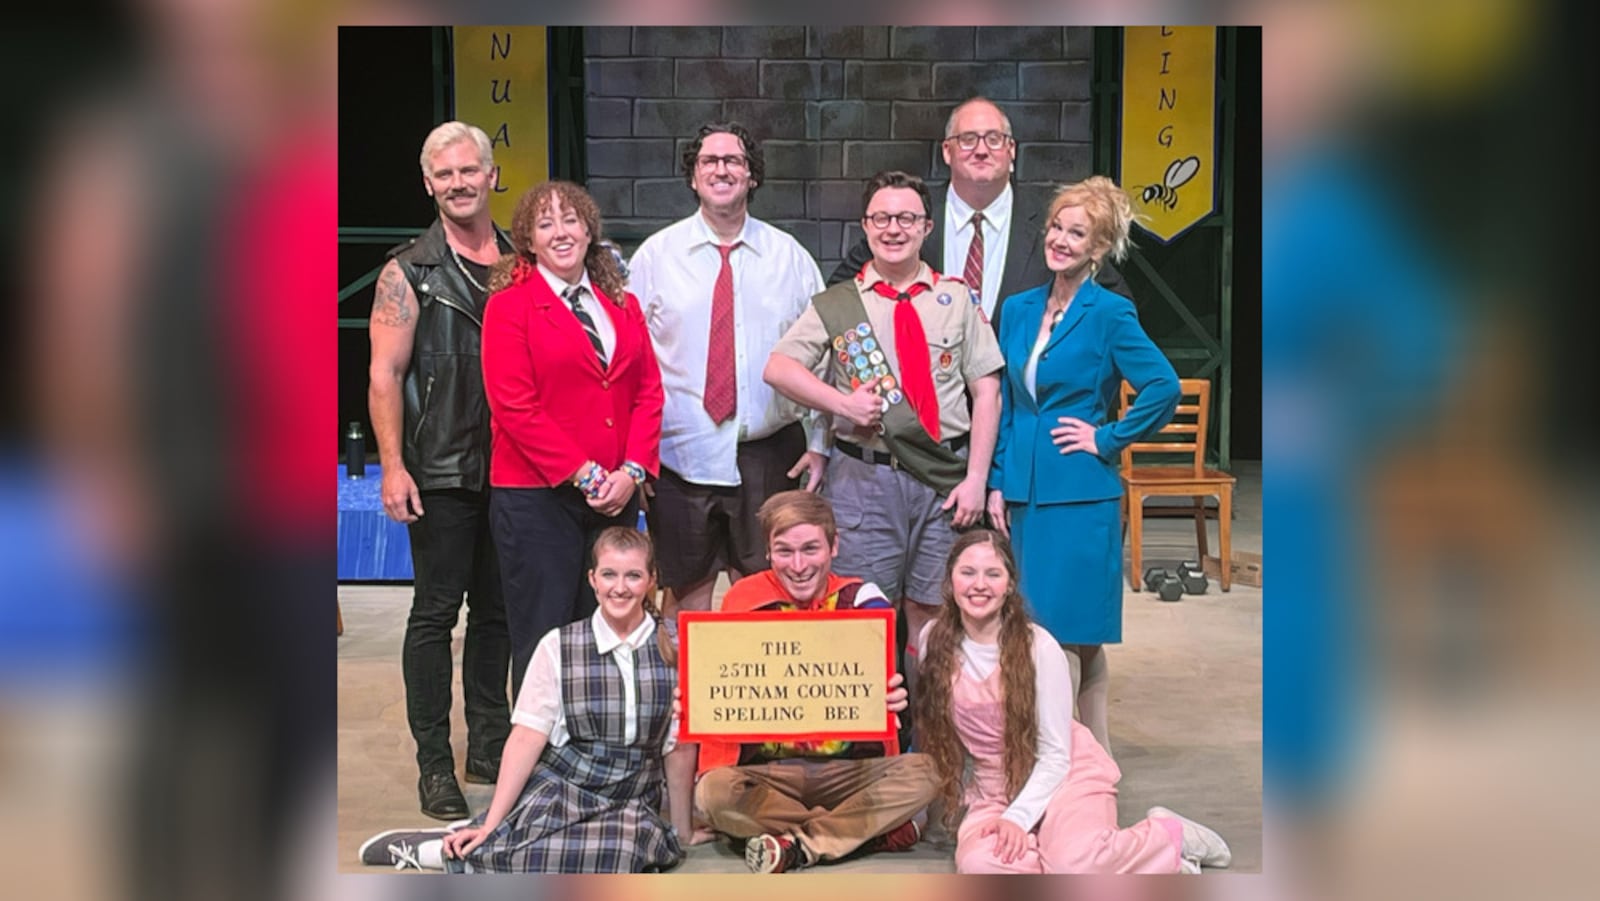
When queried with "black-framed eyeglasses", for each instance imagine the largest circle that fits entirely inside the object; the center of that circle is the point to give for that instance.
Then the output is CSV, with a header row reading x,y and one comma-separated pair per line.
x,y
881,220
968,140
733,161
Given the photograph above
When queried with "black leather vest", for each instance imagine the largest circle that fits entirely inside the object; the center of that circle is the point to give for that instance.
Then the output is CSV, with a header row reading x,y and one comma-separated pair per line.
x,y
446,412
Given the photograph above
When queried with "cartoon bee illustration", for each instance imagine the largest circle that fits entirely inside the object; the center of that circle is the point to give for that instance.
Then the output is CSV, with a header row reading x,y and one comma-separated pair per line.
x,y
1177,175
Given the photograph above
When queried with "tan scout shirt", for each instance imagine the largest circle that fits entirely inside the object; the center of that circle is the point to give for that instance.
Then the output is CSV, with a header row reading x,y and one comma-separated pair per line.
x,y
961,347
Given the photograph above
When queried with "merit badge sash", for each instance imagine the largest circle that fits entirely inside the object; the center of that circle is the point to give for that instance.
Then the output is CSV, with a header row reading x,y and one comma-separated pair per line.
x,y
860,357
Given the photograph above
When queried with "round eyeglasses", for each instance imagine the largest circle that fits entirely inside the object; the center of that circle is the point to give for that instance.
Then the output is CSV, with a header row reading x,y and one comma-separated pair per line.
x,y
734,161
906,219
968,140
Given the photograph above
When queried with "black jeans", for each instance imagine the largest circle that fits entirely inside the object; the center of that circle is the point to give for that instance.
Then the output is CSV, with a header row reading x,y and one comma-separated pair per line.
x,y
544,536
452,555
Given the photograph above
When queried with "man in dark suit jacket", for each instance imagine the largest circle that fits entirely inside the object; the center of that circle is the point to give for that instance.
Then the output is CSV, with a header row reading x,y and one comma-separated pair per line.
x,y
981,152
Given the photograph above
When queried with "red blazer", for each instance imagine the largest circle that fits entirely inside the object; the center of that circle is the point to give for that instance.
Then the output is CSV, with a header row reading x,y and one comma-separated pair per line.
x,y
551,405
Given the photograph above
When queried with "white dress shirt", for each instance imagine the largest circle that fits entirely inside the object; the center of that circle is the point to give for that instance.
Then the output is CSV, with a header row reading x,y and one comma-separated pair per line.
x,y
1052,683
673,274
590,304
996,239
539,705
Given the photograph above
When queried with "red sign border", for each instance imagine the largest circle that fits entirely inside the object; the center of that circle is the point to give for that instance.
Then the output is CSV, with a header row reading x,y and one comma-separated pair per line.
x,y
689,617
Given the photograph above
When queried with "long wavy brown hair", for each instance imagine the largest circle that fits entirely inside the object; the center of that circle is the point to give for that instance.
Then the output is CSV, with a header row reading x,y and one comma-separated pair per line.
x,y
935,723
515,268
623,538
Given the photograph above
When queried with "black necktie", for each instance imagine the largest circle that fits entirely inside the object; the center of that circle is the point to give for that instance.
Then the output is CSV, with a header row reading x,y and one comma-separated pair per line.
x,y
572,295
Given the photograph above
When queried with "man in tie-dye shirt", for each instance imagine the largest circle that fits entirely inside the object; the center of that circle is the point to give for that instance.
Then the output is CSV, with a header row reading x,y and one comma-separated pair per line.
x,y
800,803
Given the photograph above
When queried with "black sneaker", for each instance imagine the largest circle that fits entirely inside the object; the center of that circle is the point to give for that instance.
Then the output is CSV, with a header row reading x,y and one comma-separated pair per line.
x,y
441,796
397,848
775,854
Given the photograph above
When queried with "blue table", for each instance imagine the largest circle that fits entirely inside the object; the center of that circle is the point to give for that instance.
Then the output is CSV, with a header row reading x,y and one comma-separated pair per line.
x,y
371,545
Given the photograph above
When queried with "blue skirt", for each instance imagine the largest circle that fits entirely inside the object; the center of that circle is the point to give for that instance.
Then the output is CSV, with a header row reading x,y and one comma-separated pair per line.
x,y
1070,556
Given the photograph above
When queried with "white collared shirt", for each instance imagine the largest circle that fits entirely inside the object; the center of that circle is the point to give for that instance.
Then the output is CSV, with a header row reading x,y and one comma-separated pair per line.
x,y
590,303
539,706
996,234
673,273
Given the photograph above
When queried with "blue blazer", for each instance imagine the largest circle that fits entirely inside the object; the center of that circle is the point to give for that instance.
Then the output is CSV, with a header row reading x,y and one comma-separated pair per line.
x,y
1097,344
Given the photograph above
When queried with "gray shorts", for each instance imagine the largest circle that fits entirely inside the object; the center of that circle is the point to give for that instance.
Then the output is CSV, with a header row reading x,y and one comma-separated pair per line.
x,y
891,530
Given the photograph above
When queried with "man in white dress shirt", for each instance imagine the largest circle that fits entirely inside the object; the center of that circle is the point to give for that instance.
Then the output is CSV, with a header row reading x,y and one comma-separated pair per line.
x,y
718,290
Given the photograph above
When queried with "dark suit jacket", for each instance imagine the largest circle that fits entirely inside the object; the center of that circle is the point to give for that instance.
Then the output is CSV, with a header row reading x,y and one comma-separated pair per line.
x,y
1025,266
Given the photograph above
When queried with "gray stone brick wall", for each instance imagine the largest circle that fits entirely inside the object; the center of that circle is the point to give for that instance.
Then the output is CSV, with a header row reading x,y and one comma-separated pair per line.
x,y
831,106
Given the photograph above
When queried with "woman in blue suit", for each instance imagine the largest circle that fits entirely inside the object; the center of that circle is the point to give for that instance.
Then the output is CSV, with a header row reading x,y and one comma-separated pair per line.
x,y
1054,483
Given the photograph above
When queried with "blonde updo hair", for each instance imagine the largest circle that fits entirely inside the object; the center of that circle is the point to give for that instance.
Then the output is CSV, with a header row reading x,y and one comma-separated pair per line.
x,y
1109,208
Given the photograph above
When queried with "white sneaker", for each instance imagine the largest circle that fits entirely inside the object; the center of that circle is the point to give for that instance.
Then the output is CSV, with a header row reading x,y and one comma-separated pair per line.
x,y
1188,866
1200,843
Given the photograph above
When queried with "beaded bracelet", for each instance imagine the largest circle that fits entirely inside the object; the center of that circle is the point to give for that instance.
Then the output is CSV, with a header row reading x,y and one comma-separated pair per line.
x,y
634,471
591,480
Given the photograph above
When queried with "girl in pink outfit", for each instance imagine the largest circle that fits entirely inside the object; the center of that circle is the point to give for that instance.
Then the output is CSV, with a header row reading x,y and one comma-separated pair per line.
x,y
1043,796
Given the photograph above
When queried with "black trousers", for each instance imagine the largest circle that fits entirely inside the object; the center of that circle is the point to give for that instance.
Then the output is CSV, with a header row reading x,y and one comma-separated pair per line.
x,y
453,556
544,536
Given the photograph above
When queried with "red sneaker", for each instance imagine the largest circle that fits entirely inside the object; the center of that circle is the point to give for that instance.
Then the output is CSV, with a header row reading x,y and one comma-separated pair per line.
x,y
901,838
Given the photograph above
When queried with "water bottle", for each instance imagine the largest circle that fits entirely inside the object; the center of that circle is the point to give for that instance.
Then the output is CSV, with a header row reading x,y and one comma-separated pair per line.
x,y
355,452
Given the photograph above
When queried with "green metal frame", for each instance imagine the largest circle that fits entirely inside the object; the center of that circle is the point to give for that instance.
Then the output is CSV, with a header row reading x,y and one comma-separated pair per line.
x,y
1217,354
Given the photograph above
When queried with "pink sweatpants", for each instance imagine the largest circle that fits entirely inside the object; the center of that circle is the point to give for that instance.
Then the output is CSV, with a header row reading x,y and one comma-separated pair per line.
x,y
1078,833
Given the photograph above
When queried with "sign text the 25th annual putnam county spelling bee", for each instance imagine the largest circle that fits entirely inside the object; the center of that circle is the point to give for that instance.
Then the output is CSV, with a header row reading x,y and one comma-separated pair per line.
x,y
826,686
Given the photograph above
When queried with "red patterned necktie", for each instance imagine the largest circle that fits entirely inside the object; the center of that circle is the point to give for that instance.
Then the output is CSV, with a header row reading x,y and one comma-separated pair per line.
x,y
911,346
722,390
973,273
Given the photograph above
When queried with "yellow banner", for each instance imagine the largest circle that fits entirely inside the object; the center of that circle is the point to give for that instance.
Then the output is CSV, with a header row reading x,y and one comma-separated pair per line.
x,y
501,82
1169,125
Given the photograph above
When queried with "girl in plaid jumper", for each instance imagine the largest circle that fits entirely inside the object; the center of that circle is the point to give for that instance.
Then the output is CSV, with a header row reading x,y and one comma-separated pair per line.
x,y
581,776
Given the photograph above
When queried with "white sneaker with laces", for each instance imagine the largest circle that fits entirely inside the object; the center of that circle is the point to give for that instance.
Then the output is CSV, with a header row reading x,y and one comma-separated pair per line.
x,y
1201,843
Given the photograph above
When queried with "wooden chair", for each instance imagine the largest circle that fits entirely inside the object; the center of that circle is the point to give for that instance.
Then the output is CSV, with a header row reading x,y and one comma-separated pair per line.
x,y
1186,435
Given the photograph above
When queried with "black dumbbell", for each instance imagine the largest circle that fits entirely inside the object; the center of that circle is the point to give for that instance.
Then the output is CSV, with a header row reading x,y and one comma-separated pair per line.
x,y
1193,577
1164,583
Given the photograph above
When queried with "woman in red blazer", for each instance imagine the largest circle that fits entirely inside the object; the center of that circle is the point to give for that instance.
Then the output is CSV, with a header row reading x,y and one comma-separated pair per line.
x,y
575,409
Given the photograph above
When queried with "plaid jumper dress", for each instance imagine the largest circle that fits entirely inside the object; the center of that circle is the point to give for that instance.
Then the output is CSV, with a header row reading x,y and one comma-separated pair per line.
x,y
593,805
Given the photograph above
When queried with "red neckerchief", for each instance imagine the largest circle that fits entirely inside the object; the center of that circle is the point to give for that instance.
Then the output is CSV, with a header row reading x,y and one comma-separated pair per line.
x,y
911,346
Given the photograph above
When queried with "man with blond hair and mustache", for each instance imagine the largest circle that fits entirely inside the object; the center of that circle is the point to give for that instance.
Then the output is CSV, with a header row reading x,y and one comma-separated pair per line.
x,y
431,419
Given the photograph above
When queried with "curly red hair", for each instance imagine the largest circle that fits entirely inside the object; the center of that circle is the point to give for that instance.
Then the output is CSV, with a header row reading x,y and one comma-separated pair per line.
x,y
514,269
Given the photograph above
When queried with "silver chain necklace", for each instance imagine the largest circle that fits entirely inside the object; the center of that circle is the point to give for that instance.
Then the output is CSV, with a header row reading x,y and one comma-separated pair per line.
x,y
463,267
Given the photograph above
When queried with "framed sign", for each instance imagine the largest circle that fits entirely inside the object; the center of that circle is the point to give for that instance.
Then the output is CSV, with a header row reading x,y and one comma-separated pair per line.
x,y
785,676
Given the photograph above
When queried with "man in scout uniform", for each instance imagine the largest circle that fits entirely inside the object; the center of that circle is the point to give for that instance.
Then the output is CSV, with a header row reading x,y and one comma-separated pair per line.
x,y
894,355
805,802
